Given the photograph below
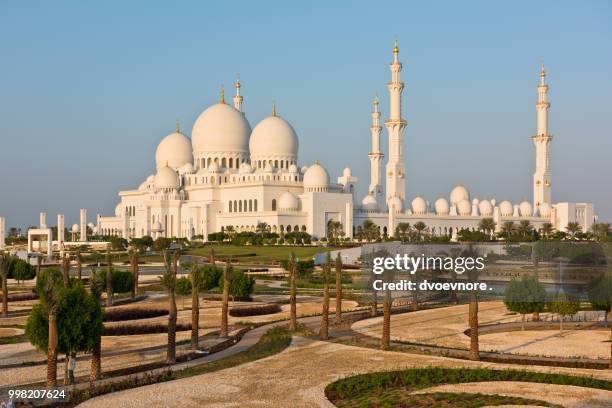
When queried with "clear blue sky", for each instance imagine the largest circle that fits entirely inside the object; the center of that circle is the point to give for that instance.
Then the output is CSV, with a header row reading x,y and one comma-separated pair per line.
x,y
88,90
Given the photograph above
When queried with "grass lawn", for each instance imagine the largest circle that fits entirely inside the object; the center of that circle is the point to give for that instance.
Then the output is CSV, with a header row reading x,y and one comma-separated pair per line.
x,y
260,254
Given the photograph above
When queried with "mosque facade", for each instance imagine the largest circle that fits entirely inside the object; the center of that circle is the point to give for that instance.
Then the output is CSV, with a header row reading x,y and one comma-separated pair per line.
x,y
231,175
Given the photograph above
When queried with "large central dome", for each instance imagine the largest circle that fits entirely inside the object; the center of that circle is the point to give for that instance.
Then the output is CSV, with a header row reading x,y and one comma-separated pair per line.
x,y
221,129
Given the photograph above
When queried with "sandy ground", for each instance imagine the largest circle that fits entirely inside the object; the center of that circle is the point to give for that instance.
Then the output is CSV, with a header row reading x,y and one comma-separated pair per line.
x,y
297,378
10,331
445,327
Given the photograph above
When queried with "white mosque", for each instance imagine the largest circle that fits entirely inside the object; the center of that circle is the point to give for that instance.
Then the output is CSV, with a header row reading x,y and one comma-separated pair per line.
x,y
229,174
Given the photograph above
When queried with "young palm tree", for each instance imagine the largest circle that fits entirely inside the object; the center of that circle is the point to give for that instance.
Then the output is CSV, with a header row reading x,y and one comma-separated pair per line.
x,y
573,228
168,280
262,228
369,230
48,292
293,292
195,303
325,315
419,227
524,228
386,329
5,261
508,228
225,299
402,231
338,267
334,231
473,311
134,265
96,352
601,230
109,279
487,225
546,230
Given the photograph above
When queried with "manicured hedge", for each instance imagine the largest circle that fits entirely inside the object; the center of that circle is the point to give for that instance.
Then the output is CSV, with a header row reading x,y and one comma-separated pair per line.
x,y
122,281
17,297
131,313
133,329
256,310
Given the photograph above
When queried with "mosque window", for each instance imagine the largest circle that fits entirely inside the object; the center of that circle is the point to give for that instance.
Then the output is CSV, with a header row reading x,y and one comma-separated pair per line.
x,y
240,206
274,204
275,163
255,205
223,162
231,162
230,206
250,205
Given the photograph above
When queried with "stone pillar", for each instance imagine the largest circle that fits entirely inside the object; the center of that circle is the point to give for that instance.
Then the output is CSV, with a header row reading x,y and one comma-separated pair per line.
x,y
2,232
391,226
42,220
49,244
83,225
348,227
60,234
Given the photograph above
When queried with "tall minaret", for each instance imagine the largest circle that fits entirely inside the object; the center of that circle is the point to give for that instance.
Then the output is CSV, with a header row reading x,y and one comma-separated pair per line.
x,y
542,139
376,156
396,186
238,98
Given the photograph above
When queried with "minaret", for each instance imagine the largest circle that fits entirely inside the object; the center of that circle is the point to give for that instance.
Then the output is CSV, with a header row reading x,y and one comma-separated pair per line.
x,y
376,156
542,139
396,186
238,98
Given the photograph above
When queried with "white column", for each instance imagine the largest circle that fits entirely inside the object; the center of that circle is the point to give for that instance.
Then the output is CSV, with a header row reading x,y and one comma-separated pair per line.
x,y
49,244
348,228
391,226
126,225
542,140
42,220
83,225
60,234
2,232
396,186
376,157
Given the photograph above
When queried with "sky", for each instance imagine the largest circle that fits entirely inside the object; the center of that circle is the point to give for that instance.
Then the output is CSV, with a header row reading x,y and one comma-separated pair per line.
x,y
90,88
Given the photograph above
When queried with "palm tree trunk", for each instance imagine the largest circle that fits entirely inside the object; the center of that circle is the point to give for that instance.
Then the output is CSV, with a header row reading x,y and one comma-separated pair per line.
x,y
325,314
611,346
374,305
338,294
52,352
66,270
473,317
171,352
386,329
523,322
38,266
560,325
293,298
195,316
225,302
4,295
109,280
133,265
96,361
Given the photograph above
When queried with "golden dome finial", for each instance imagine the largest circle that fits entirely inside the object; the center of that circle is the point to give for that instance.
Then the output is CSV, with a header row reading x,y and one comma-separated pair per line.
x,y
178,126
376,99
273,108
395,46
238,81
542,71
222,96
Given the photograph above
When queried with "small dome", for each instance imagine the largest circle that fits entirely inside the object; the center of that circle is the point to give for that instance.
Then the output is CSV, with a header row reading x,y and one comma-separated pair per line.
x,y
91,225
526,209
545,210
475,201
396,202
347,172
151,178
143,186
174,151
75,228
186,169
485,208
505,208
221,128
157,227
167,178
288,201
273,137
369,203
464,208
118,210
441,206
419,206
293,168
303,169
493,202
316,177
245,168
457,194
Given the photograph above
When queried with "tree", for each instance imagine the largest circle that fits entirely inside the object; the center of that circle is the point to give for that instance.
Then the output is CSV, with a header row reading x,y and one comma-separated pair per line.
x,y
601,231
5,262
419,227
371,231
525,296
325,307
546,230
524,228
96,352
161,244
402,231
338,267
572,229
487,225
241,284
293,292
109,279
600,296
117,243
195,303
210,276
563,305
262,228
183,288
211,256
168,280
227,276
334,231
134,265
66,270
385,341
230,231
508,229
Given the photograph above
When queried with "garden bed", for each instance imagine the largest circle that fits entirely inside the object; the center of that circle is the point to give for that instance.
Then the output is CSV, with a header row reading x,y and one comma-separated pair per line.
x,y
134,329
255,310
21,296
132,313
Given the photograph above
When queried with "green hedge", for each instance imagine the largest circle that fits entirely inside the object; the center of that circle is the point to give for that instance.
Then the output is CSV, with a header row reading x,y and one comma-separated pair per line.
x,y
123,281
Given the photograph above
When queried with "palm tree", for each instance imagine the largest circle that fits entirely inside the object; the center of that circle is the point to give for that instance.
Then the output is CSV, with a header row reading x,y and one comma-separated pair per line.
x,y
402,231
211,256
334,231
546,230
225,298
168,280
96,352
79,260
5,261
109,279
371,231
338,267
600,230
473,309
293,292
359,233
134,265
262,228
48,292
487,225
573,228
230,231
419,227
195,303
524,228
386,329
325,313
507,228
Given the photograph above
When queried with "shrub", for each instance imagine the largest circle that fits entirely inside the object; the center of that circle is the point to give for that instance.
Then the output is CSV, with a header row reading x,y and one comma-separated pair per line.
x,y
257,310
183,286
122,281
20,269
241,284
124,313
134,329
210,276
